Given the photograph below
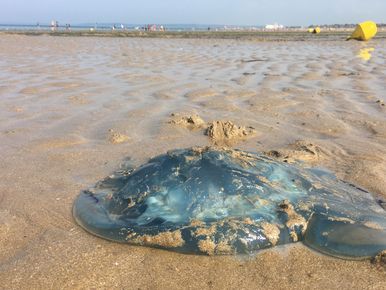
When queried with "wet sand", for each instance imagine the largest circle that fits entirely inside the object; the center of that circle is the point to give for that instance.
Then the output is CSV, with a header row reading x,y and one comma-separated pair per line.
x,y
73,108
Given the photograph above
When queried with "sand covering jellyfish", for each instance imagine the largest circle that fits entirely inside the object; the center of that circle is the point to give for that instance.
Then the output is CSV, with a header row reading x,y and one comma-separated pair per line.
x,y
223,201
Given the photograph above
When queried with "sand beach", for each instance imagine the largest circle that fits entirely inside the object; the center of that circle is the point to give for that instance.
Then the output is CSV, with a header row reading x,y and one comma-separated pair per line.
x,y
72,109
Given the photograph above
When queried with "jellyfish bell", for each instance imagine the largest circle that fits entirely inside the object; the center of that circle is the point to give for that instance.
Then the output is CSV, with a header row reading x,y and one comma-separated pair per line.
x,y
222,201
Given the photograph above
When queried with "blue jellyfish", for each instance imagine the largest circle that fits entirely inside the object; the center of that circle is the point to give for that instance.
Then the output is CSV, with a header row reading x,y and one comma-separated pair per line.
x,y
210,200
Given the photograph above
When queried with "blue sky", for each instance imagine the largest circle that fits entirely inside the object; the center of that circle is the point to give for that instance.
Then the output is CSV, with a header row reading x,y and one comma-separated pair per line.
x,y
243,12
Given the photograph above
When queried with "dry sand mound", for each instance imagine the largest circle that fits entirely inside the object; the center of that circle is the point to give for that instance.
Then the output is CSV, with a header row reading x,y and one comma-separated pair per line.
x,y
117,138
221,133
191,122
301,150
227,133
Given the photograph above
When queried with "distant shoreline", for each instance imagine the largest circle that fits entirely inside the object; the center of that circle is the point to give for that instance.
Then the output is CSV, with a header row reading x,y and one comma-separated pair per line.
x,y
280,35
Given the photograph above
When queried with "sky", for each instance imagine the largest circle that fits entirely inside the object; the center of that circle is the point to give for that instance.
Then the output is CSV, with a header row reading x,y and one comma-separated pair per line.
x,y
236,12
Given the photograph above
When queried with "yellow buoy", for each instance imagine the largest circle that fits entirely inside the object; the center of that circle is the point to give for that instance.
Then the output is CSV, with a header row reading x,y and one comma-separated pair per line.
x,y
316,30
310,30
364,31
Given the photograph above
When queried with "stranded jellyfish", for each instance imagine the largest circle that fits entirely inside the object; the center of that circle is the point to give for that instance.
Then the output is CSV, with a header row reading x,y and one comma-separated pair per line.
x,y
223,201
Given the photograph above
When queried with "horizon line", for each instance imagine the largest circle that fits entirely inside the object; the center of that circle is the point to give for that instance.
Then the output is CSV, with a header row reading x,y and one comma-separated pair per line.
x,y
44,23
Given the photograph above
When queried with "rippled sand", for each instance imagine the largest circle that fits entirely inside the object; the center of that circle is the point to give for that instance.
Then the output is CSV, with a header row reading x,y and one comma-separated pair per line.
x,y
72,109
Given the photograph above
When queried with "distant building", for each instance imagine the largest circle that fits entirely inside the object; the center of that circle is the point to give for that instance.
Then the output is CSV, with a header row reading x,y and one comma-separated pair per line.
x,y
54,25
274,26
